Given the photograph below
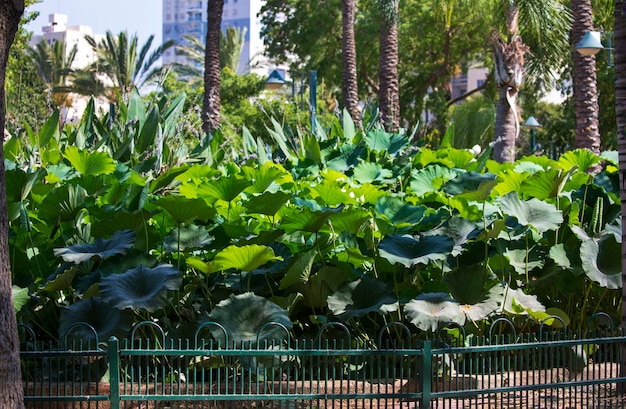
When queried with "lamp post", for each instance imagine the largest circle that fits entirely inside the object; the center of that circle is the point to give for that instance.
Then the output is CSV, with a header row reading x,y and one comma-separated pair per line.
x,y
591,44
532,124
276,80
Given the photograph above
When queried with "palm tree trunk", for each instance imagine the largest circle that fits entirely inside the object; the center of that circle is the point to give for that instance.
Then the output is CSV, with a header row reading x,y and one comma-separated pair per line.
x,y
388,92
509,70
348,57
211,105
585,81
10,375
620,115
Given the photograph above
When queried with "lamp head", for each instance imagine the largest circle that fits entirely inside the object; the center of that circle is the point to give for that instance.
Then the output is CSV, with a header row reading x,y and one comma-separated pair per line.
x,y
275,80
590,44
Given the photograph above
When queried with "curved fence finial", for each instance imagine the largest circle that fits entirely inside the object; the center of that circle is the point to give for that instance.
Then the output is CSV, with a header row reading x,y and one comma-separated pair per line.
x,y
318,338
208,324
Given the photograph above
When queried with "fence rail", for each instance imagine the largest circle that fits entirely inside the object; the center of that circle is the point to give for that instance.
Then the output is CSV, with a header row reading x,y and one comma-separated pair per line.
x,y
546,369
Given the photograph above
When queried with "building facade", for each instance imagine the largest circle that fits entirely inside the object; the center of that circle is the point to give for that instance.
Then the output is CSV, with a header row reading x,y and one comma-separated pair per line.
x,y
189,18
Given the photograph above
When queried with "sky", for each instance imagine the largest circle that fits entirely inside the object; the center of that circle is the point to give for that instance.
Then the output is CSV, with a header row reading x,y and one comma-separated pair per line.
x,y
143,17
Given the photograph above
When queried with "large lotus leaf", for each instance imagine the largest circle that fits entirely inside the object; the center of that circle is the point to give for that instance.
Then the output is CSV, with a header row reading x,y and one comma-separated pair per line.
x,y
485,308
430,310
510,181
300,270
371,172
459,229
191,237
581,158
540,215
516,301
90,163
118,243
470,182
346,158
408,250
20,297
361,297
106,320
430,179
602,261
263,176
62,281
523,261
244,317
166,178
380,141
184,210
467,284
545,185
352,220
141,287
267,203
306,220
62,203
331,193
367,193
399,212
245,258
322,284
224,188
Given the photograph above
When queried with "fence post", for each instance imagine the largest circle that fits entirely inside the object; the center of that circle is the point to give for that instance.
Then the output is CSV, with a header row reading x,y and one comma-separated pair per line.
x,y
427,374
114,372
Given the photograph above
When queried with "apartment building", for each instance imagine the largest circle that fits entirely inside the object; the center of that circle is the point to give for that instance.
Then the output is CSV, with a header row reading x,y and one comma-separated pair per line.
x,y
189,18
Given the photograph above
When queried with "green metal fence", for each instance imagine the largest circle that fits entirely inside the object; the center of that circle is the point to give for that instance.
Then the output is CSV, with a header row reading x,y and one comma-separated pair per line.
x,y
545,369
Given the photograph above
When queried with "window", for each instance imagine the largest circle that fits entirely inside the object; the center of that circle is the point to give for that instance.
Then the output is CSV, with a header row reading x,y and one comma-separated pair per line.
x,y
480,83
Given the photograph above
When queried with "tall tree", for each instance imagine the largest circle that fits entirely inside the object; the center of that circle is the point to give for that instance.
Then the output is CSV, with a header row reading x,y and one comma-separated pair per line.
x,y
54,66
585,81
122,62
11,396
543,25
620,114
348,57
388,82
211,105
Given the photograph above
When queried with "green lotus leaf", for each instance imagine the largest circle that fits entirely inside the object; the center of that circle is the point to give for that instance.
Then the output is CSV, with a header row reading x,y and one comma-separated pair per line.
x,y
331,193
184,210
62,281
118,243
306,220
485,308
468,284
191,237
346,158
371,172
380,141
430,179
166,178
361,297
428,311
226,188
245,258
583,159
470,182
518,302
541,216
90,163
399,212
20,297
244,317
63,203
352,220
141,287
602,261
510,181
300,270
263,176
522,261
267,203
106,320
408,250
459,229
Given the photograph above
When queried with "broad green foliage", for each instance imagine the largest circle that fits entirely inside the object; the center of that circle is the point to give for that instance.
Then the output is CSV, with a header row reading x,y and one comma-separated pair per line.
x,y
113,224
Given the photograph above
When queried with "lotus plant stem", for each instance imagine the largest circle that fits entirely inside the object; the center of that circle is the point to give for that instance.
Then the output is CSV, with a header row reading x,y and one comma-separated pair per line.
x,y
527,255
582,309
267,280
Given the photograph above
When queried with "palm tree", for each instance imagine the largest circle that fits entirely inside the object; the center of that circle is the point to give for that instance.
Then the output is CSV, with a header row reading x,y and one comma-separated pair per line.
x,y
192,70
120,61
54,66
620,114
585,81
10,373
544,25
212,81
388,91
348,57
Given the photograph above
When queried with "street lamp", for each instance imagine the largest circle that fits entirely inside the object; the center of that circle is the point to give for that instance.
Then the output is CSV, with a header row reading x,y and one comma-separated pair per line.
x,y
532,124
276,80
591,44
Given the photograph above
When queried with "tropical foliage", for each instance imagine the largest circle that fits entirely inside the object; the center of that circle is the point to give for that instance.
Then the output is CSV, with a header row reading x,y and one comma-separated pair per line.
x,y
111,226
